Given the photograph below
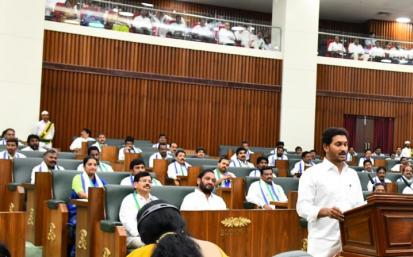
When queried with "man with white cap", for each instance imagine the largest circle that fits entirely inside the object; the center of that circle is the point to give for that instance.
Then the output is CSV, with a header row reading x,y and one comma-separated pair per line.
x,y
45,130
406,151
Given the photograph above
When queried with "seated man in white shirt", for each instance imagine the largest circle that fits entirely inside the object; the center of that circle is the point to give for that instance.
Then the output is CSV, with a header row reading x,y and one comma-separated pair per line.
x,y
336,48
406,178
246,146
179,167
48,164
401,165
367,166
93,152
84,137
279,155
367,156
8,133
100,141
223,177
33,144
202,32
305,162
351,154
131,205
11,150
137,166
377,52
377,152
161,154
241,160
356,50
264,191
262,162
379,178
128,148
226,36
142,23
203,198
162,139
398,153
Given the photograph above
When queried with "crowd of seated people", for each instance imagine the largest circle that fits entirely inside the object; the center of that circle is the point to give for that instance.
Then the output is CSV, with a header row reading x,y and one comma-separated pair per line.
x,y
263,193
369,49
157,23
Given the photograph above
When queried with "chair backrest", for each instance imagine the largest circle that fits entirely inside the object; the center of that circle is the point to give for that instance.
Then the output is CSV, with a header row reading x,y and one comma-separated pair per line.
x,y
208,167
400,187
22,169
67,155
172,194
291,163
62,184
288,184
249,181
293,254
262,150
240,172
223,149
114,195
145,157
393,176
69,164
33,154
357,168
113,178
391,163
201,161
364,179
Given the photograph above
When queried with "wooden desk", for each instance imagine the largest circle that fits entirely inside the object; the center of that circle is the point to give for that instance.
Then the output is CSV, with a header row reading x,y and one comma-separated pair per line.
x,y
37,194
88,218
12,226
248,233
234,196
109,153
6,175
282,166
129,157
160,168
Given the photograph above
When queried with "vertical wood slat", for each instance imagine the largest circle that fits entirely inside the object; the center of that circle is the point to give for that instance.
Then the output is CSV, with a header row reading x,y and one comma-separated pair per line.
x,y
330,110
191,115
81,50
392,30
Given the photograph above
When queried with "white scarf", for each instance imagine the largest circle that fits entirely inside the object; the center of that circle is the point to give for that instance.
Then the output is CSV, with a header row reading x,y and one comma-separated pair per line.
x,y
87,182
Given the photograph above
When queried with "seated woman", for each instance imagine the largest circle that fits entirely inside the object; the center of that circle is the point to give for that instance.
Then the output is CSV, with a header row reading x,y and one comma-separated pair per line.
x,y
80,187
162,229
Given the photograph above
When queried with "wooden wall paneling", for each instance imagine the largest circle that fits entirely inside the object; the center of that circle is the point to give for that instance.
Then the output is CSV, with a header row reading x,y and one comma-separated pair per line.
x,y
345,90
130,56
192,115
392,30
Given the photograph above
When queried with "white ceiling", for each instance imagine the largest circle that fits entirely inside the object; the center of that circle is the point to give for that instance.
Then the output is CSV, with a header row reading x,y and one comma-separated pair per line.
x,y
340,10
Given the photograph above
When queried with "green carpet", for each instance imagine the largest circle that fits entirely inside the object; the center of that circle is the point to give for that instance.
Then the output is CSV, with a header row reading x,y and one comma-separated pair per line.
x,y
32,250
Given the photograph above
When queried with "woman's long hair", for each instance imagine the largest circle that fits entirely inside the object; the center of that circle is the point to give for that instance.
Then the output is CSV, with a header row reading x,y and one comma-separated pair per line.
x,y
155,227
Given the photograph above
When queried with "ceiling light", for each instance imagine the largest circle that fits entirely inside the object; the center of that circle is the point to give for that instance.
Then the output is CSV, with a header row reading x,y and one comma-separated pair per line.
x,y
147,4
403,20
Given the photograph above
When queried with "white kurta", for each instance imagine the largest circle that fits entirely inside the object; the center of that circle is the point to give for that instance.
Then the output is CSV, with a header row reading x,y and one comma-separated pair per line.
x,y
407,191
157,156
42,167
121,155
102,167
29,149
128,212
248,154
299,167
197,201
376,180
175,169
226,37
406,152
77,143
261,193
361,161
410,181
322,186
5,155
40,126
241,164
219,175
274,157
128,181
